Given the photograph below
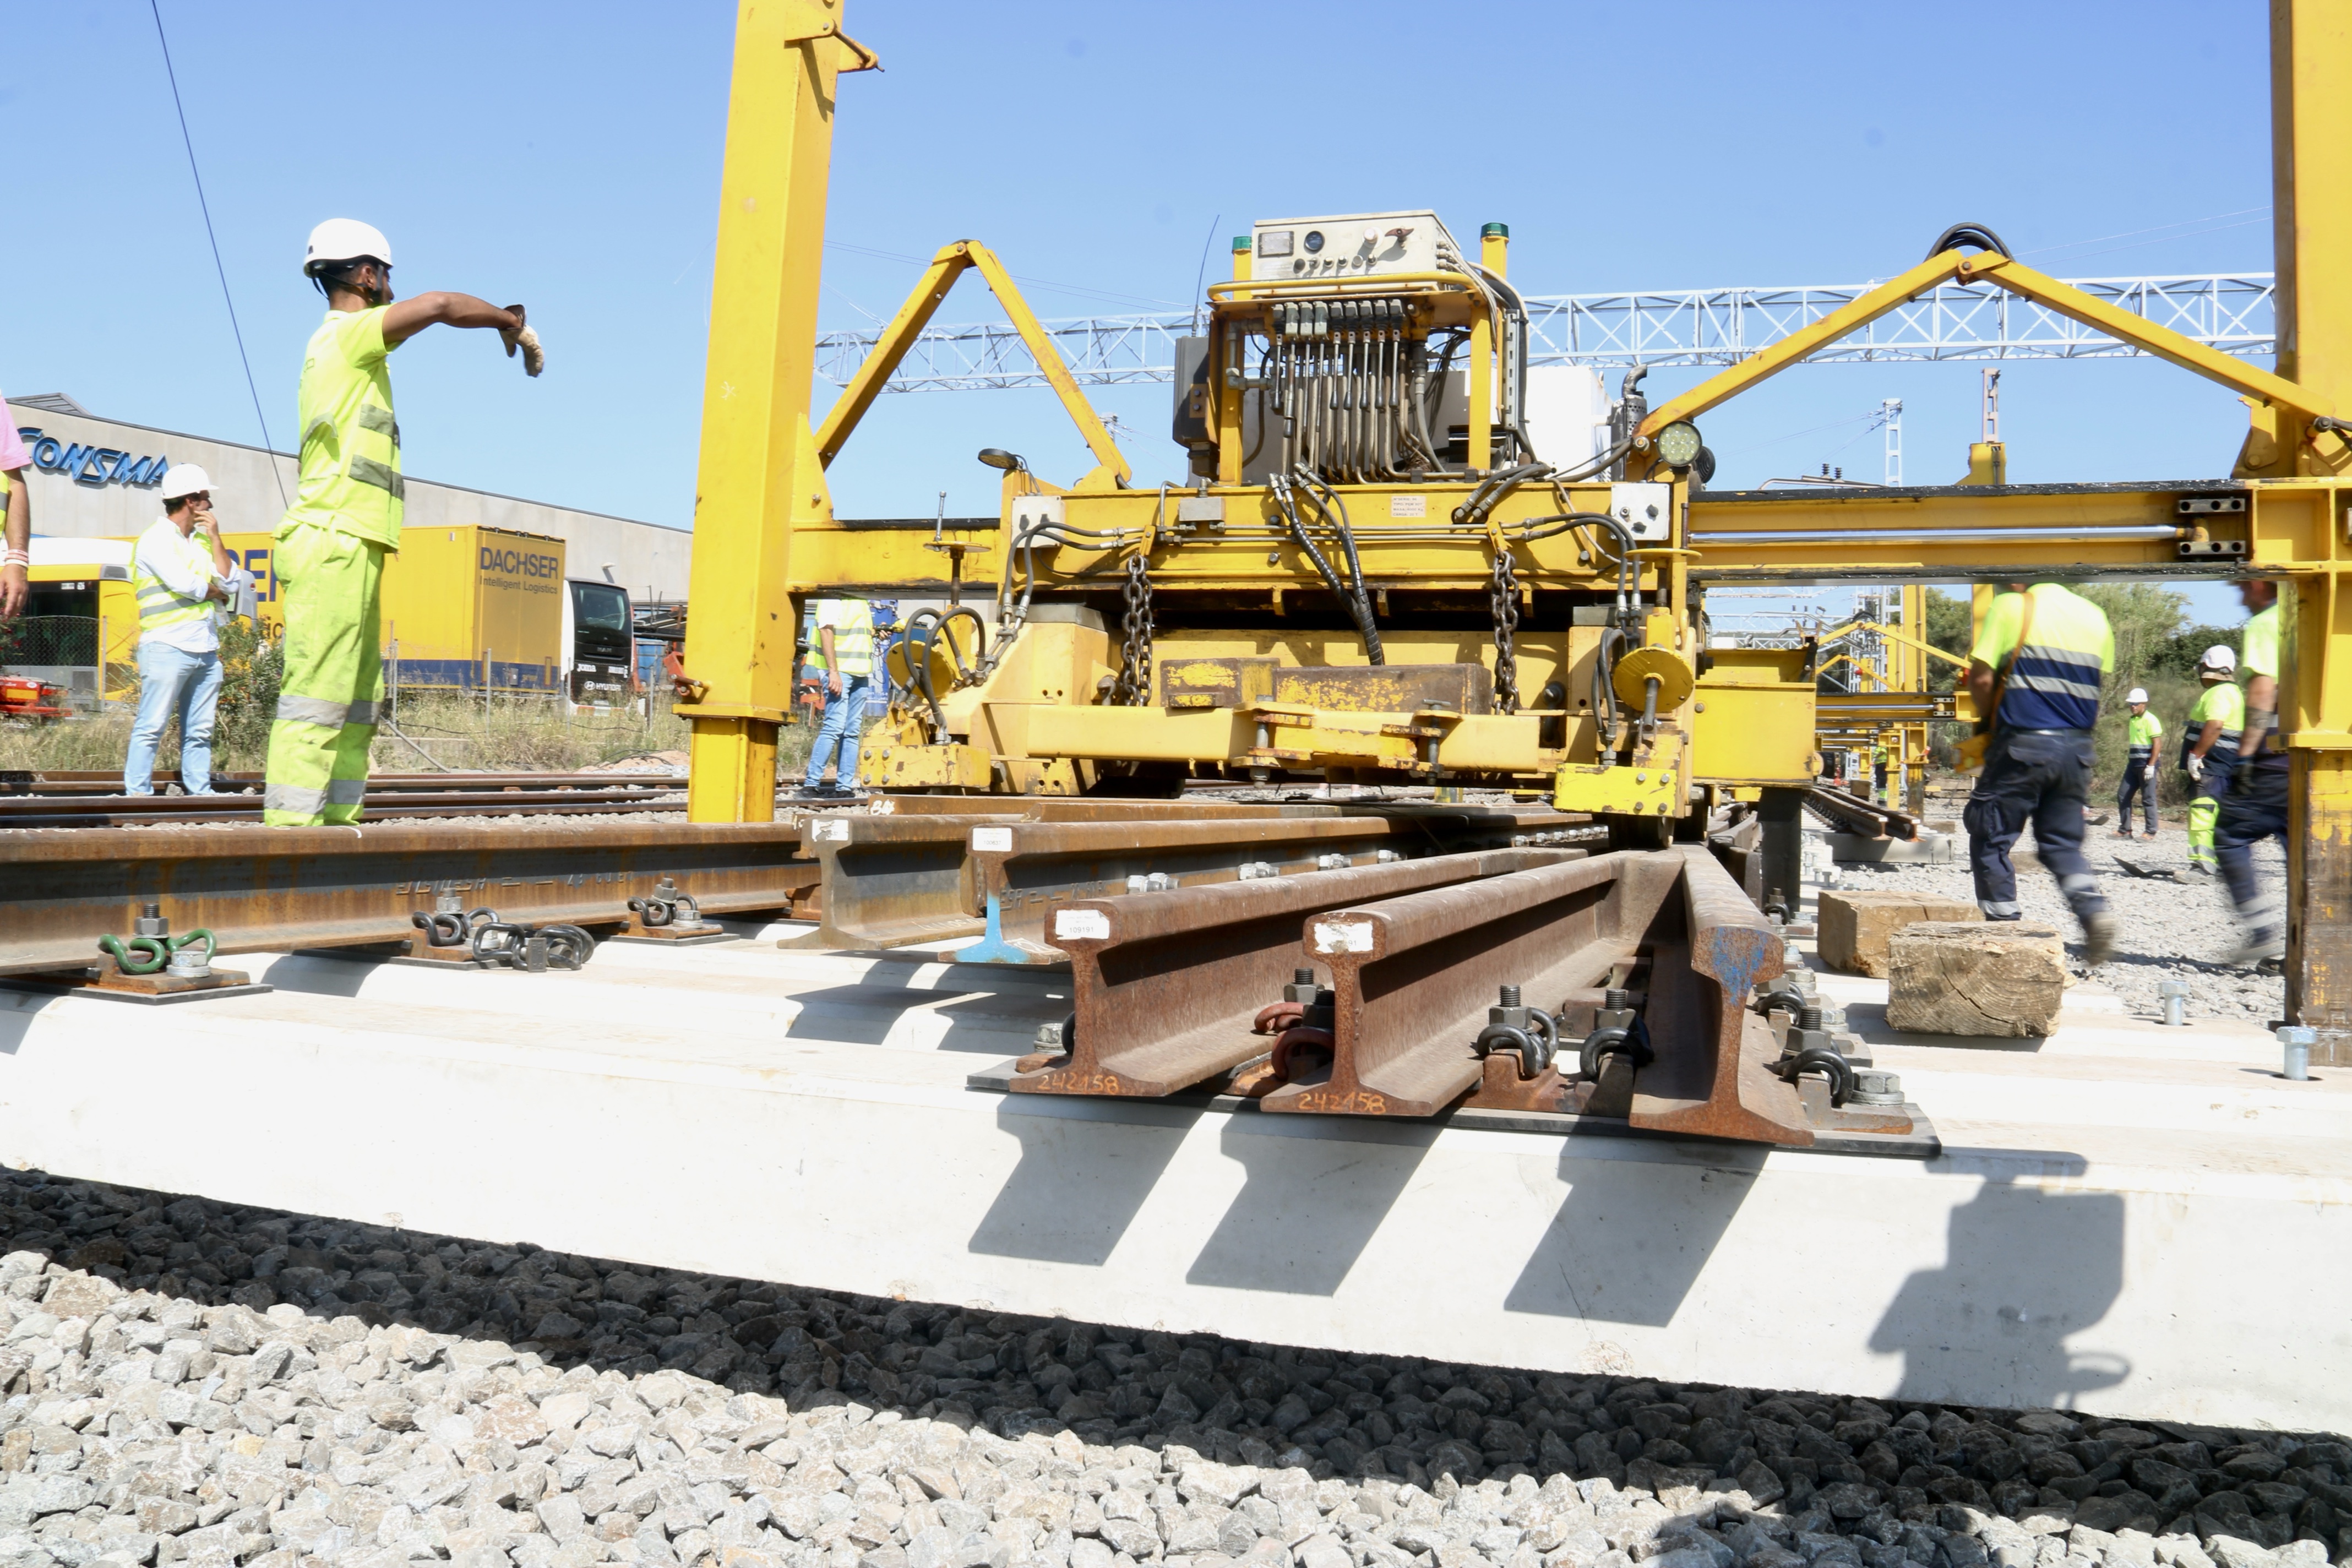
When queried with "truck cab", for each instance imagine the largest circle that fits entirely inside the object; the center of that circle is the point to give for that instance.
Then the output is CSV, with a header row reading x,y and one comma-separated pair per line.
x,y
599,640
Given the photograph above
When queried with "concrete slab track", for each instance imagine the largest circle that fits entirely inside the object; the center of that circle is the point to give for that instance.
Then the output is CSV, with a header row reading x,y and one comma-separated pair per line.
x,y
2126,1219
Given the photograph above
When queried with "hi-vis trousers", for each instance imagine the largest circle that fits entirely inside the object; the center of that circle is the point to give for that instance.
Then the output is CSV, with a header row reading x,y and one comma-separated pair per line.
x,y
332,584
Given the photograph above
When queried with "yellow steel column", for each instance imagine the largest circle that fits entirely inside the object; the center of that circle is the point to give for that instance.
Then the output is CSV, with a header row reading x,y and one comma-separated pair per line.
x,y
1229,398
1494,244
759,476
1915,736
2311,125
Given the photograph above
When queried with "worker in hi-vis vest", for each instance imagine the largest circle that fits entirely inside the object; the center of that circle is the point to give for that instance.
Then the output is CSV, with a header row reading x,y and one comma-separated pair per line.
x,y
2209,751
2256,806
2035,676
2142,731
345,519
844,631
183,578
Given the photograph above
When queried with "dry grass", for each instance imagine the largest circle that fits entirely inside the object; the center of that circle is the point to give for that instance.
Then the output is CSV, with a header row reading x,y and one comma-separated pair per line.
x,y
501,736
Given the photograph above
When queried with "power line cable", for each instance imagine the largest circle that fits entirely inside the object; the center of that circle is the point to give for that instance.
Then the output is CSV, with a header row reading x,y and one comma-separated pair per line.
x,y
226,299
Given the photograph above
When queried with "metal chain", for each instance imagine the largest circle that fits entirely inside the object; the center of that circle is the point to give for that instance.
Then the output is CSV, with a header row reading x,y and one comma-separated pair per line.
x,y
1504,593
1133,688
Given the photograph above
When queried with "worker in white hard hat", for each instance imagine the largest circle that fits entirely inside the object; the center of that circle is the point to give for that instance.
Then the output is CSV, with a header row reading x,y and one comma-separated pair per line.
x,y
183,582
2142,731
2209,751
345,520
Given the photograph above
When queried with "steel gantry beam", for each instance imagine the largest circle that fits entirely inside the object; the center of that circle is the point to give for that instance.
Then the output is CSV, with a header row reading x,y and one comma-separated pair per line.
x,y
2228,310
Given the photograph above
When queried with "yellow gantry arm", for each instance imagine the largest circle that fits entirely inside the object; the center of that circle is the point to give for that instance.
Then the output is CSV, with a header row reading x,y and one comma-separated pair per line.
x,y
950,264
1892,635
2162,342
1964,267
889,348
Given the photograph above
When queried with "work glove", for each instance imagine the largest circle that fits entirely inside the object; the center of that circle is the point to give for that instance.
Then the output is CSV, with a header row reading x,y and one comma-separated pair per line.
x,y
521,336
2196,767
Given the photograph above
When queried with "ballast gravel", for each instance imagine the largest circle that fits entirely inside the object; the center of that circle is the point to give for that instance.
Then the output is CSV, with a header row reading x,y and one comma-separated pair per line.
x,y
188,1382
2172,928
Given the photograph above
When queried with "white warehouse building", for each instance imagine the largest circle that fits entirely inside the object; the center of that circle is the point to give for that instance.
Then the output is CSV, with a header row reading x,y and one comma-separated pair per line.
x,y
98,479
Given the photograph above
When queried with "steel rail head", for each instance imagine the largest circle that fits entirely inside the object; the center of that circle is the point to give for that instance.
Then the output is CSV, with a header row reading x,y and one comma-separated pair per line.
x,y
1024,871
1167,985
902,872
272,888
889,881
1712,1075
1851,811
1413,978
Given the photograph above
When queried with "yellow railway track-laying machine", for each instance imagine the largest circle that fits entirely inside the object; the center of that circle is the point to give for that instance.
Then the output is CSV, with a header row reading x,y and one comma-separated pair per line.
x,y
1400,555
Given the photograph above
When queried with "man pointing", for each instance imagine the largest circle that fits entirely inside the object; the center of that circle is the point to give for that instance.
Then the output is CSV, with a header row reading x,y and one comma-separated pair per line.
x,y
346,517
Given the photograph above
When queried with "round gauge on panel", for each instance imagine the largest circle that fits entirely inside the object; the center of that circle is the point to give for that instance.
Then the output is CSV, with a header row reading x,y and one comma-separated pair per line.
x,y
1314,241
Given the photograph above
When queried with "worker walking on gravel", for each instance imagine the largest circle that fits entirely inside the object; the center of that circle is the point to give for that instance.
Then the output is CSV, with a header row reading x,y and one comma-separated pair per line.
x,y
2142,731
844,630
2035,676
345,520
2209,751
2256,807
181,583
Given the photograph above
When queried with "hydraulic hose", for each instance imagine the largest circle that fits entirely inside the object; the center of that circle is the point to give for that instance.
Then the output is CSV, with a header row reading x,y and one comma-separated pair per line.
x,y
1362,601
1358,609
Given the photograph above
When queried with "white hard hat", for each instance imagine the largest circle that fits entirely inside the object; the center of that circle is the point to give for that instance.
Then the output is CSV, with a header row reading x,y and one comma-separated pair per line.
x,y
340,239
184,479
2136,694
2219,657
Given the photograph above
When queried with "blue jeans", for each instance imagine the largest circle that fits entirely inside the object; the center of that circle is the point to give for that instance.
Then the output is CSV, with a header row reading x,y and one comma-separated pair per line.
x,y
2139,779
2254,809
174,684
845,716
2044,780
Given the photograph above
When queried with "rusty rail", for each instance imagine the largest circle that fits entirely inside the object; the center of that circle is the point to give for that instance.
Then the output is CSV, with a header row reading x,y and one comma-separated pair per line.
x,y
18,782
1025,871
907,872
269,889
1856,815
1414,979
1168,985
901,871
125,811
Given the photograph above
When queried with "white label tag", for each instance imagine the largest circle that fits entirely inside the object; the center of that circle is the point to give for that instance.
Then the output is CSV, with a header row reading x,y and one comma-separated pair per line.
x,y
830,829
986,838
1343,936
1408,506
1080,925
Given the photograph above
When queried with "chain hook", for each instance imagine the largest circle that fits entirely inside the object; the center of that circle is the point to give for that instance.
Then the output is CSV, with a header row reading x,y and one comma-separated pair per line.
x,y
1133,688
1504,593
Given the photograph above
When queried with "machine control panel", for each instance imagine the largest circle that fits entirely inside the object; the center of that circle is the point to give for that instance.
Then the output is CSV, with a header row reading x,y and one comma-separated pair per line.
x,y
1350,245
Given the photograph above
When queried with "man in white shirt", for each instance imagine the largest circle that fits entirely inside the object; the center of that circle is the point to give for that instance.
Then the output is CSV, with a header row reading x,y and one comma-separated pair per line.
x,y
180,582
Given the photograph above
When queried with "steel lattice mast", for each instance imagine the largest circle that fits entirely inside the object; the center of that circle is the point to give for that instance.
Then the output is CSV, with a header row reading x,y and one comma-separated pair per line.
x,y
2228,310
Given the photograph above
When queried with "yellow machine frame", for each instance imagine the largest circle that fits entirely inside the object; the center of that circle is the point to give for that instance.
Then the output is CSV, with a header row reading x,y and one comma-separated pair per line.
x,y
1030,718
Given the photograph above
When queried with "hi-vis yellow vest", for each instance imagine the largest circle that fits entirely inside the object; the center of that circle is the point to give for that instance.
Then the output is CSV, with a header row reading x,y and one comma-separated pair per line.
x,y
159,607
349,443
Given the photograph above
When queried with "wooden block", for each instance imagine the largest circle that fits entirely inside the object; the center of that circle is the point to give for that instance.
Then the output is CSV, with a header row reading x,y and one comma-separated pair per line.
x,y
2001,979
1855,926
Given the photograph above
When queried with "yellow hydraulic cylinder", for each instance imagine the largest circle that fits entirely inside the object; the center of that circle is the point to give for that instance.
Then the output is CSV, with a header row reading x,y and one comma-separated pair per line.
x,y
758,477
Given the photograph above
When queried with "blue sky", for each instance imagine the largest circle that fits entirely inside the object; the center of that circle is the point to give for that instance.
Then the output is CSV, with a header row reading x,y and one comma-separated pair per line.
x,y
568,157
